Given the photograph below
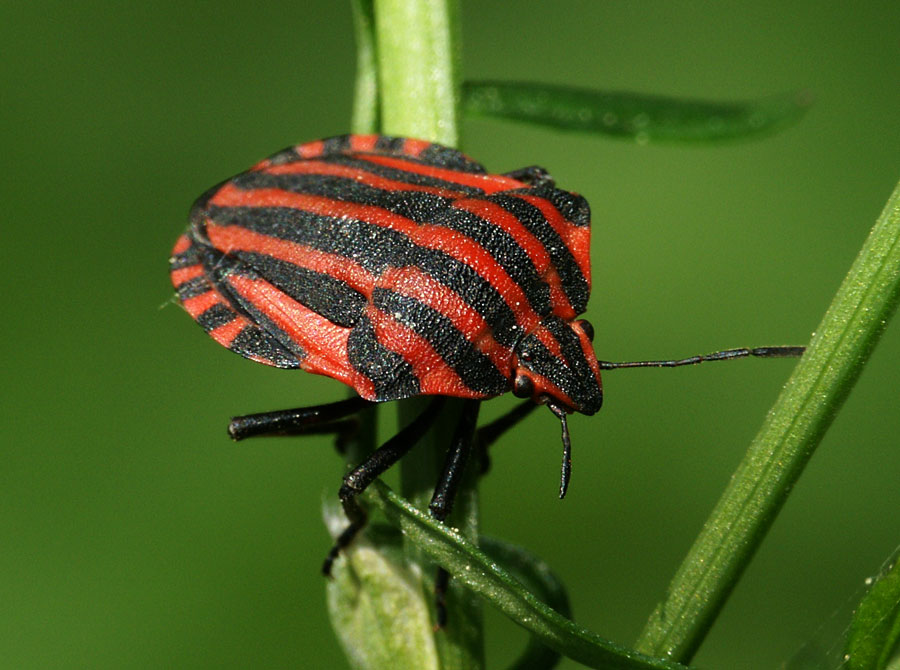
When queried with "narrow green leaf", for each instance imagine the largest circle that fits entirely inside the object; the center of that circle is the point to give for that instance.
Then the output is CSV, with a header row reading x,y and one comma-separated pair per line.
x,y
643,118
537,577
875,629
472,568
792,430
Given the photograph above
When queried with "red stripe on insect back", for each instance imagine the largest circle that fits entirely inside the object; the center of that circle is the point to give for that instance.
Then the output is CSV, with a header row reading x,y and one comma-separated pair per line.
x,y
225,334
199,304
357,174
439,238
577,238
435,376
489,183
558,298
543,386
416,284
591,357
324,343
363,142
181,245
412,147
235,238
310,149
547,339
182,275
531,245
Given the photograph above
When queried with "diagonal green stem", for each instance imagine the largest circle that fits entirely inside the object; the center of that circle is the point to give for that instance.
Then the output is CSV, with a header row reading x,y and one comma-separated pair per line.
x,y
793,429
485,577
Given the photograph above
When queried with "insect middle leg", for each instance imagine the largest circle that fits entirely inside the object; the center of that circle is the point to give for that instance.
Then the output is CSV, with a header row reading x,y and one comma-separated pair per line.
x,y
358,479
445,492
465,438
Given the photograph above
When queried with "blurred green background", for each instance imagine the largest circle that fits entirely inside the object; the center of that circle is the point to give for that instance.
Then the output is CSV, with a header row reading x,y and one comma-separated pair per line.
x,y
136,535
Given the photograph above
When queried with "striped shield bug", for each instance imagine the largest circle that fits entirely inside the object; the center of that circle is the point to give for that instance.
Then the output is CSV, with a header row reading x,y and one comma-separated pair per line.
x,y
401,268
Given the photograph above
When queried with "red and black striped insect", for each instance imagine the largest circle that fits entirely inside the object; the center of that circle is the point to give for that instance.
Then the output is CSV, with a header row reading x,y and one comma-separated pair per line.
x,y
401,268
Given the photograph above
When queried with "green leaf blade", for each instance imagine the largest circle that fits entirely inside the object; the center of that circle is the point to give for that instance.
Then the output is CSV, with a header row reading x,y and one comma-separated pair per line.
x,y
376,604
875,629
640,117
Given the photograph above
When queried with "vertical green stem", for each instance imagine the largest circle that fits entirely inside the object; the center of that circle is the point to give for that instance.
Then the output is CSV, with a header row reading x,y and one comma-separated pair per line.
x,y
792,430
417,77
417,68
366,113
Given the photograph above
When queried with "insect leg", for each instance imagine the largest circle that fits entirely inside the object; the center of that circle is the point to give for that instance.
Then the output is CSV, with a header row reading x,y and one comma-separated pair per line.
x,y
299,421
368,471
333,418
445,492
726,355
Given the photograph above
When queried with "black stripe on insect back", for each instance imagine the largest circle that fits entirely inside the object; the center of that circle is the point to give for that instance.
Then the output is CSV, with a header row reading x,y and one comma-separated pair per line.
x,y
474,368
392,377
389,144
335,145
556,370
218,268
332,298
572,206
570,347
297,183
423,208
574,283
193,287
416,205
376,248
252,341
445,157
216,316
187,258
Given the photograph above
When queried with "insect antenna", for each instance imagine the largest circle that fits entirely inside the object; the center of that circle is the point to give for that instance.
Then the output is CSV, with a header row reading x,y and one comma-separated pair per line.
x,y
725,355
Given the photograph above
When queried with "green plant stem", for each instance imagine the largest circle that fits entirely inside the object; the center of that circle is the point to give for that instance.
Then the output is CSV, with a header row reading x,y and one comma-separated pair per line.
x,y
417,72
419,98
793,428
366,112
486,577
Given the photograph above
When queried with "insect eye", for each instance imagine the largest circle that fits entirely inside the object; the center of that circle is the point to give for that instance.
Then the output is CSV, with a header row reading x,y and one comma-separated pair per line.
x,y
586,327
523,387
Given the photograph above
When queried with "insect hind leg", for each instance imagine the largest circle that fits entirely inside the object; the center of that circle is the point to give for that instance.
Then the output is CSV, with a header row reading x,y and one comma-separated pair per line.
x,y
336,417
